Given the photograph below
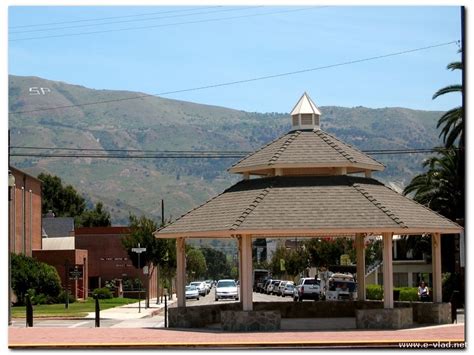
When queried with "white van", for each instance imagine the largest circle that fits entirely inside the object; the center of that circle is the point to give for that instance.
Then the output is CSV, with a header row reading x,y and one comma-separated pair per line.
x,y
341,287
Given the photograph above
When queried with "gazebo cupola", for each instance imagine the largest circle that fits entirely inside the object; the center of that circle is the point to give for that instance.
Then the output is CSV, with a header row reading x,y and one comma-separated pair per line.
x,y
305,114
306,150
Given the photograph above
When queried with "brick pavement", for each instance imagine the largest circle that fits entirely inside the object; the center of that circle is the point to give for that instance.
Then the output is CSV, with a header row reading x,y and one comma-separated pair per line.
x,y
174,338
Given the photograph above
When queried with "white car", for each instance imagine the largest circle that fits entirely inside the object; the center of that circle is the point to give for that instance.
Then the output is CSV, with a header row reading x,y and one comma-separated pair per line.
x,y
201,286
192,292
226,289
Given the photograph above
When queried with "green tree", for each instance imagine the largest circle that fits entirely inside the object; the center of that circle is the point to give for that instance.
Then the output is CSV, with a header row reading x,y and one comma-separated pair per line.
x,y
64,201
195,263
97,217
30,274
217,265
141,231
327,252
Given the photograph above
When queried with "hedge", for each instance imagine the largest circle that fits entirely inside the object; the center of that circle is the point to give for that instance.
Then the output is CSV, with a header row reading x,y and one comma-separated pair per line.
x,y
375,292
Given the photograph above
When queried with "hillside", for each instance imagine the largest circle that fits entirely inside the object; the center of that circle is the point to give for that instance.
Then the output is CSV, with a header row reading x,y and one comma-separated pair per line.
x,y
154,123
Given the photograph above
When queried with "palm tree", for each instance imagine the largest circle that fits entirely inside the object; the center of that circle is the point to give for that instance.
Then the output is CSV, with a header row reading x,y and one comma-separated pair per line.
x,y
440,188
452,122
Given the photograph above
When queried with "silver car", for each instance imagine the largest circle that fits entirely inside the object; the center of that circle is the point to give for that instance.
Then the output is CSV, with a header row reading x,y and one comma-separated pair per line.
x,y
226,289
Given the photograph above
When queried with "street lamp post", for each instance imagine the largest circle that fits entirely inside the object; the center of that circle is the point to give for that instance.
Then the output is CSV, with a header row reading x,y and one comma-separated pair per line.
x,y
139,251
11,184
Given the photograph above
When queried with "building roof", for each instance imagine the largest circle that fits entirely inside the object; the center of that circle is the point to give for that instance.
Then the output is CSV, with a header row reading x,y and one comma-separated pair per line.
x,y
306,149
60,243
55,227
305,106
94,231
290,205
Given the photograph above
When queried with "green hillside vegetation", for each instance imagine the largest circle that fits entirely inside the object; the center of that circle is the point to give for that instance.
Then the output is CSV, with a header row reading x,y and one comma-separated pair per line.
x,y
154,123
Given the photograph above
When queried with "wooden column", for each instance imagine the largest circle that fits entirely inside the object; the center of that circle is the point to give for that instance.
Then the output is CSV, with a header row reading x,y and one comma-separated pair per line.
x,y
245,267
180,272
436,265
387,271
360,262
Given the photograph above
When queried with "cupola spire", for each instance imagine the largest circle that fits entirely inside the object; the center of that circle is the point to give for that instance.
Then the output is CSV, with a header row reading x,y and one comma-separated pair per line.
x,y
305,114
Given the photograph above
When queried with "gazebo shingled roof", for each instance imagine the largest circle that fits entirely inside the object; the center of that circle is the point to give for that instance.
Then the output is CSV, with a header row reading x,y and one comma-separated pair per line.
x,y
308,149
297,205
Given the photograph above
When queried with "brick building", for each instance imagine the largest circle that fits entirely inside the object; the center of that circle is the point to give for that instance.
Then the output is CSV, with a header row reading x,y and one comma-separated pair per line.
x,y
70,260
108,259
24,213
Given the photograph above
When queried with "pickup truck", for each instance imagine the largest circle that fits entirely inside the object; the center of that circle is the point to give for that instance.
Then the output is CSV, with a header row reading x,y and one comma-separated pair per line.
x,y
308,288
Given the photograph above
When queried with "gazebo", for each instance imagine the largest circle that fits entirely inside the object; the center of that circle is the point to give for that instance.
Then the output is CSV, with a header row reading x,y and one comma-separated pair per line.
x,y
307,183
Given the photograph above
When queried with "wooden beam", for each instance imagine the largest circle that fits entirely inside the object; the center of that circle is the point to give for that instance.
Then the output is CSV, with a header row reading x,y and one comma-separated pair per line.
x,y
436,265
246,287
387,271
360,262
180,272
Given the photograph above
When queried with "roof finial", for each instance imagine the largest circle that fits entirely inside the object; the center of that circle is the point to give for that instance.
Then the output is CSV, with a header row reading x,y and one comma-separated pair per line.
x,y
305,114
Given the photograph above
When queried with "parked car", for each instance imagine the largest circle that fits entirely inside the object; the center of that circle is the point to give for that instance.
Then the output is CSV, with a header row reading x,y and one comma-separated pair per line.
x,y
201,286
226,289
192,292
288,290
307,288
271,290
282,286
265,285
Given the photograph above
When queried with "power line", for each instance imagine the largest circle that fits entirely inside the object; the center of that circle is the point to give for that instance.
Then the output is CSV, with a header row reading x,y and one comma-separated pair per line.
x,y
197,154
133,150
163,25
111,17
146,19
241,81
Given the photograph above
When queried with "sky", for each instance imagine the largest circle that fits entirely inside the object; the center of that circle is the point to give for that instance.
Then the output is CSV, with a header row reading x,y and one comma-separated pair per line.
x,y
185,47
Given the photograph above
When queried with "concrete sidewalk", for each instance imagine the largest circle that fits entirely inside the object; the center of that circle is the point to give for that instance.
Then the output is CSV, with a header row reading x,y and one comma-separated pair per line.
x,y
133,310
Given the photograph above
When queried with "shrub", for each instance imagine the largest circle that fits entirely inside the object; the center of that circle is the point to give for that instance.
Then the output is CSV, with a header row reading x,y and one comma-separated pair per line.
x,y
408,293
30,274
374,292
102,293
62,297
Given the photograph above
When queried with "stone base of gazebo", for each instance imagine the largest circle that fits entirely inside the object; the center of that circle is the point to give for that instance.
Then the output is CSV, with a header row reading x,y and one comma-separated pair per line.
x,y
431,313
244,321
394,318
415,312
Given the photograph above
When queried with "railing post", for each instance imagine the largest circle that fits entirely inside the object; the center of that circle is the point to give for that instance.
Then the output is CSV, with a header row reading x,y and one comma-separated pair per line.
x,y
29,312
97,311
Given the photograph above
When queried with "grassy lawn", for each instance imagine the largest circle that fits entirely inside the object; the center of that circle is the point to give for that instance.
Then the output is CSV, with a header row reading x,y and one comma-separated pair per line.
x,y
76,309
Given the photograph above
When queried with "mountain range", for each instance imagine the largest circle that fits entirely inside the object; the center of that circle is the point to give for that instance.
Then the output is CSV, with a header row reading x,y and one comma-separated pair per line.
x,y
156,124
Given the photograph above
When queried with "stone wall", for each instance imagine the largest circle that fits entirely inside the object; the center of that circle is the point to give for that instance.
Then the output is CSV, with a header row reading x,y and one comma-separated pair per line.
x,y
432,313
248,321
395,318
201,316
